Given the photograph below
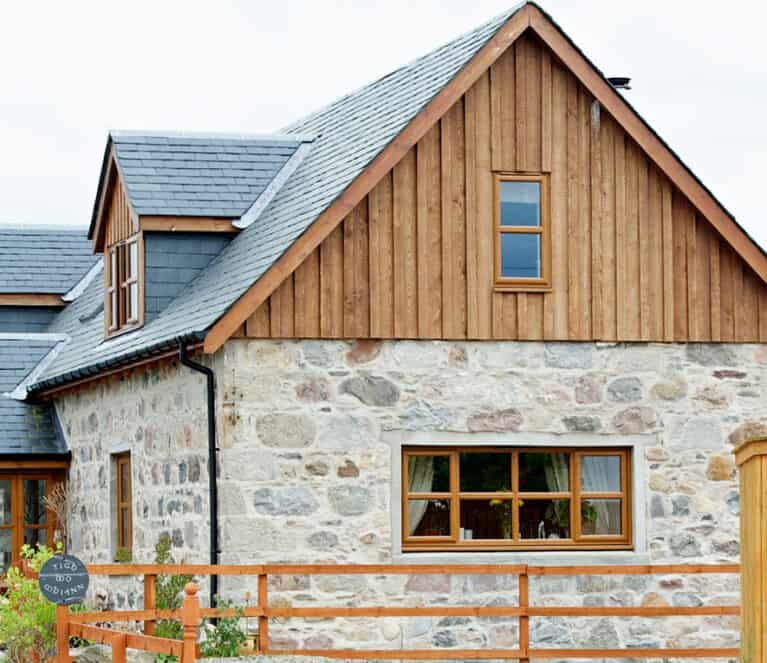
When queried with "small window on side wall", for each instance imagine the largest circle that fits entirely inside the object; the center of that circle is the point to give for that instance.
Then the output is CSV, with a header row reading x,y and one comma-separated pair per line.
x,y
523,255
124,505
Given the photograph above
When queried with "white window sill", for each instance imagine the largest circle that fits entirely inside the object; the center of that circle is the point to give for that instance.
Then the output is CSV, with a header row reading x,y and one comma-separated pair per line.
x,y
551,558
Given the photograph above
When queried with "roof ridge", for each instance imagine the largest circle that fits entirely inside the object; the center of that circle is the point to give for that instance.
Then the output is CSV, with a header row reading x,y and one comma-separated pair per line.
x,y
498,17
10,226
209,135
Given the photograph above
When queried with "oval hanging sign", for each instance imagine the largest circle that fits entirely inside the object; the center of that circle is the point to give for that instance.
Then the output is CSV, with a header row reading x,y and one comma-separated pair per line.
x,y
64,580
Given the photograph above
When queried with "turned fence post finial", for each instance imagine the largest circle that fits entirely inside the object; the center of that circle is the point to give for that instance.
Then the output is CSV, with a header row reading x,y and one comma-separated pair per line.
x,y
190,620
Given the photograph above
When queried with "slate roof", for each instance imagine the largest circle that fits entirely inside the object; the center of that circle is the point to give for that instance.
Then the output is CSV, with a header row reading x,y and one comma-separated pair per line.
x,y
198,175
25,428
350,133
43,259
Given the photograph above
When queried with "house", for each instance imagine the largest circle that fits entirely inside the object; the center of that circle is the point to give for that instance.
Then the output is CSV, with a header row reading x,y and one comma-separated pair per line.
x,y
476,310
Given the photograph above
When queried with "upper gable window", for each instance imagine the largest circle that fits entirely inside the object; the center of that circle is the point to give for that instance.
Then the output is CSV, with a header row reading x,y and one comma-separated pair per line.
x,y
122,271
523,255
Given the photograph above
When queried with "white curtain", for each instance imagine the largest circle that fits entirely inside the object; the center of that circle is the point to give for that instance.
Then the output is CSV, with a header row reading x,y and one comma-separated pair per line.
x,y
557,473
420,475
597,477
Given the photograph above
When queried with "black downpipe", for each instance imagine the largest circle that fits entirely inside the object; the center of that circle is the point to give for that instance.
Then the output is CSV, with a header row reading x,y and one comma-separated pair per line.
x,y
212,461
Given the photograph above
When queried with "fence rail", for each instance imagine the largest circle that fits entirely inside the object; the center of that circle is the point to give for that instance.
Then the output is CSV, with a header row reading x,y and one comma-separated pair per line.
x,y
191,614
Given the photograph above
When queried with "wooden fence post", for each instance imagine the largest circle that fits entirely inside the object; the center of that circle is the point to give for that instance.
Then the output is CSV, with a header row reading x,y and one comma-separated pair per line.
x,y
150,601
524,620
263,620
190,620
751,458
119,649
62,634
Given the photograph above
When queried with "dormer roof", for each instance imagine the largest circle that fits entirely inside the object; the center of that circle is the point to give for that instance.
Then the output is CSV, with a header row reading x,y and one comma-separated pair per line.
x,y
191,174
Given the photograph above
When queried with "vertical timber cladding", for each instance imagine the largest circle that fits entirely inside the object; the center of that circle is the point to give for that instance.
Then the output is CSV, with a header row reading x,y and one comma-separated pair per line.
x,y
632,260
119,221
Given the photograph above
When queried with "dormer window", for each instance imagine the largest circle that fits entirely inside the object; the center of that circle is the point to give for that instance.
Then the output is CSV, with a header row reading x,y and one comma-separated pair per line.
x,y
123,301
523,253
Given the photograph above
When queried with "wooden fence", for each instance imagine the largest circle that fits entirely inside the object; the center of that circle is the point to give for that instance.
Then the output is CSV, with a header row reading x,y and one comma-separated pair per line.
x,y
191,614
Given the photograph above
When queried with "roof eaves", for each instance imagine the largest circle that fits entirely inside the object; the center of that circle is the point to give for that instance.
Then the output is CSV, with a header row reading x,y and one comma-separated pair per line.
x,y
21,391
95,368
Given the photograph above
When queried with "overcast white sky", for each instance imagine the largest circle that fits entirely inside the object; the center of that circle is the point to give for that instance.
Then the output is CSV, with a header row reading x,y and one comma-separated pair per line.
x,y
70,71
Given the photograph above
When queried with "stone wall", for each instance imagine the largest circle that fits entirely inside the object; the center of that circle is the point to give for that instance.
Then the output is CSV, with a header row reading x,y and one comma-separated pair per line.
x,y
306,473
160,416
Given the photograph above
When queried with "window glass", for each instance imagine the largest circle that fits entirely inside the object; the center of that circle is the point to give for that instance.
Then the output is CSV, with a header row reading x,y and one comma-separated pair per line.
x,y
428,517
601,517
133,301
600,474
544,472
521,255
5,502
485,472
35,512
35,536
520,203
113,269
124,481
428,474
6,549
132,260
544,519
486,519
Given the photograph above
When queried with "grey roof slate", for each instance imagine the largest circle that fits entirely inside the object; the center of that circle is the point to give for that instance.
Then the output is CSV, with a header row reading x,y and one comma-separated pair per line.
x,y
196,174
25,428
43,259
350,133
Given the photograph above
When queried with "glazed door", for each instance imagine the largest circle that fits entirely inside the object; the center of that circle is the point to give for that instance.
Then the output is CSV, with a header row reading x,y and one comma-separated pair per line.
x,y
24,518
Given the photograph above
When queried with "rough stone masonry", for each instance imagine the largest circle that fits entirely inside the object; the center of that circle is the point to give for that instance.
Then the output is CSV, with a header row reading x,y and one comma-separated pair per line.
x,y
306,473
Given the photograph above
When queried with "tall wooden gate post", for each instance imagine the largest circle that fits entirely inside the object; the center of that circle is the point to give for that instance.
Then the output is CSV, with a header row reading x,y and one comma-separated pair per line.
x,y
751,458
62,634
190,620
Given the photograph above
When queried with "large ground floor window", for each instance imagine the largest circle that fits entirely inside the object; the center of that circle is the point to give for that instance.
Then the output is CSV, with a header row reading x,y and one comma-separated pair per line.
x,y
500,498
24,517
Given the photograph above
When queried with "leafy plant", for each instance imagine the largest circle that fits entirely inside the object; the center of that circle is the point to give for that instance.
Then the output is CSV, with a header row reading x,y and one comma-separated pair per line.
x,y
558,512
27,618
227,637
123,555
169,596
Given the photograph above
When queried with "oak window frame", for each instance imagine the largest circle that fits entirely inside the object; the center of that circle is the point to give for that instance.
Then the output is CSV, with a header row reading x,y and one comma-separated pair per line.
x,y
519,284
123,275
578,540
124,501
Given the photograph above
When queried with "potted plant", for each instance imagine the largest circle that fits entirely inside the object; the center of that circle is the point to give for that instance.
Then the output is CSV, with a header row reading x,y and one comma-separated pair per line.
x,y
588,518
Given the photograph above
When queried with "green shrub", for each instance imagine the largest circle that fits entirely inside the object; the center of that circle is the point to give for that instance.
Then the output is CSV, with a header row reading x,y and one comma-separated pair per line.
x,y
227,637
27,618
169,596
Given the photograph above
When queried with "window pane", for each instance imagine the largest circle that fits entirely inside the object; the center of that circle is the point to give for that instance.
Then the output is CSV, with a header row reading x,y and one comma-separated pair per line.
x,y
113,270
485,519
600,474
544,519
428,517
113,308
485,472
601,517
124,480
6,549
133,300
35,536
5,502
428,474
35,512
544,472
521,255
520,204
132,260
125,525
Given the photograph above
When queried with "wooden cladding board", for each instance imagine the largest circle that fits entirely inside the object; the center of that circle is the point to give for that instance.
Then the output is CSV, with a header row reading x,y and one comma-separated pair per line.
x,y
632,260
119,223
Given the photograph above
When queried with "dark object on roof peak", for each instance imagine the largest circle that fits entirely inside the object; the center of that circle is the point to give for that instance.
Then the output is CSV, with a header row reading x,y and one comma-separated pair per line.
x,y
620,82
